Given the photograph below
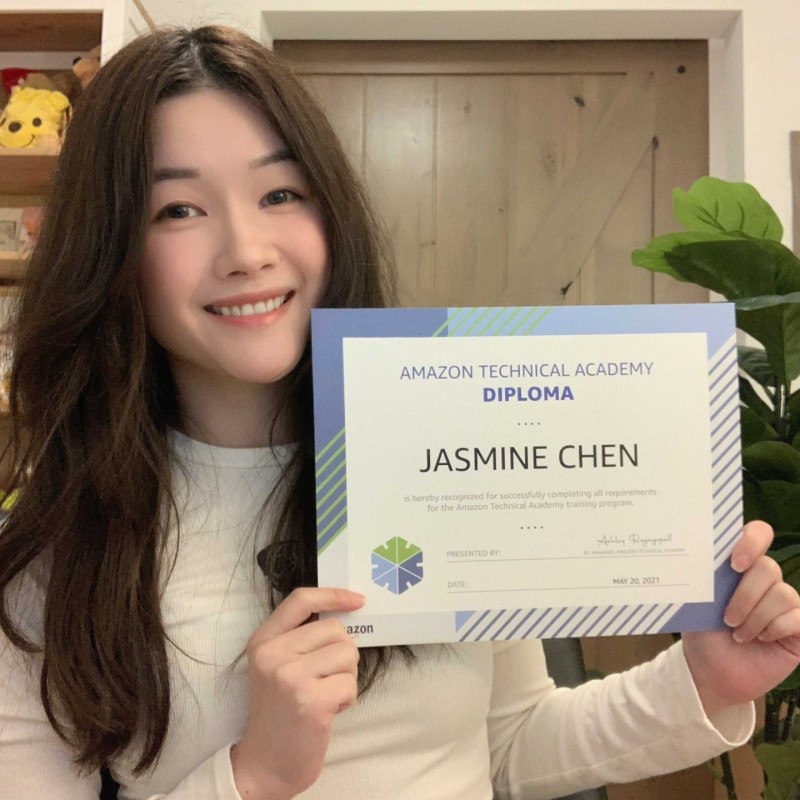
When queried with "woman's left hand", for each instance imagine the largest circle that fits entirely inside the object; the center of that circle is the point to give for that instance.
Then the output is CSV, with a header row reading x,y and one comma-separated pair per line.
x,y
762,645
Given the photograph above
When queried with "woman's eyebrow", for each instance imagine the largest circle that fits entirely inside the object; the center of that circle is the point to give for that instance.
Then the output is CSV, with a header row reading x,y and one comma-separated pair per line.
x,y
265,161
174,174
185,173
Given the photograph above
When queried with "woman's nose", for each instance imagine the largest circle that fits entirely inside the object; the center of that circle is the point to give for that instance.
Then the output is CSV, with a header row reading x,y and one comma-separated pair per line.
x,y
247,245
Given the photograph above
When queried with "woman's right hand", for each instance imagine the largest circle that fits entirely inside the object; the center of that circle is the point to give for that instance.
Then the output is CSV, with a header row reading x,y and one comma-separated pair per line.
x,y
301,676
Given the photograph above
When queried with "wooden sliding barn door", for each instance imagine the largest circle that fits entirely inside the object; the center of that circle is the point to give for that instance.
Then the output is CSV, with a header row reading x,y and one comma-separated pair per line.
x,y
525,173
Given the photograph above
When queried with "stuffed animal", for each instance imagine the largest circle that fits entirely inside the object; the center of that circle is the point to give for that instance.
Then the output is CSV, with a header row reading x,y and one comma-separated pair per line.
x,y
34,118
15,76
65,82
88,66
70,82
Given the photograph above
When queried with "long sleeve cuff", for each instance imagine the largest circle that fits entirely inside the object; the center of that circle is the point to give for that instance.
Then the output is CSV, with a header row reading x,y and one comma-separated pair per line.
x,y
212,780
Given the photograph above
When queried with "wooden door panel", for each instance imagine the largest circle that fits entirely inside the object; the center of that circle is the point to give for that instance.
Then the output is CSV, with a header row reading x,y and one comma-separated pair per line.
x,y
399,170
597,93
631,222
545,126
682,136
471,157
342,99
567,231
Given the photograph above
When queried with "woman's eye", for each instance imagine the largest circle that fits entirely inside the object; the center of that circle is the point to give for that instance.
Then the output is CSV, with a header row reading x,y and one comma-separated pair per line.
x,y
280,196
178,212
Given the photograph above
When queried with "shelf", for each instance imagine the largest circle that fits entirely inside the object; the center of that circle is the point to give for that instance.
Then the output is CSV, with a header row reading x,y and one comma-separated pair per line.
x,y
25,172
50,31
12,266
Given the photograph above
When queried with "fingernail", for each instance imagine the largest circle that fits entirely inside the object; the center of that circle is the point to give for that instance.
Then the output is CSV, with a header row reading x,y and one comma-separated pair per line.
x,y
730,619
738,637
739,563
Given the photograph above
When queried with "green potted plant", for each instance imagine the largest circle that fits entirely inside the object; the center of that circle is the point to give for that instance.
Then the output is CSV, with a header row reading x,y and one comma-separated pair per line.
x,y
731,245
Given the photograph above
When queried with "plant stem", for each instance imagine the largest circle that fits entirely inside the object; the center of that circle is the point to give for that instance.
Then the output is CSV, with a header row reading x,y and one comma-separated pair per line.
x,y
772,719
791,707
780,422
727,776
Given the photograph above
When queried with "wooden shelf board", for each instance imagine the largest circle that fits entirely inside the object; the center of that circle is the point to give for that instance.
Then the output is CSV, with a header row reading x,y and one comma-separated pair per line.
x,y
50,31
12,266
26,173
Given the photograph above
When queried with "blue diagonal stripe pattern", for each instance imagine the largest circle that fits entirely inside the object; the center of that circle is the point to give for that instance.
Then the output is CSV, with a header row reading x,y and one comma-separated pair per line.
x,y
725,455
331,477
501,624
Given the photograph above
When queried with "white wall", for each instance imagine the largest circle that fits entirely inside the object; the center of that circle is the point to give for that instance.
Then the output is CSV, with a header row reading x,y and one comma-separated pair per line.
x,y
755,52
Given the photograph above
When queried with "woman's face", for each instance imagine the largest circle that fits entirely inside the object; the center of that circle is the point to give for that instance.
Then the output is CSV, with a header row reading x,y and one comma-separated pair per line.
x,y
235,253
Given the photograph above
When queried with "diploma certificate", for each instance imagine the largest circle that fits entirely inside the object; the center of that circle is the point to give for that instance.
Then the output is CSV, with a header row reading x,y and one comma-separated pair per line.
x,y
496,473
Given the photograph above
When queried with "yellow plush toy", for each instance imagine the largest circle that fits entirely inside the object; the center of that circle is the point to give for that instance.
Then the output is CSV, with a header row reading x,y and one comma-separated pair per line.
x,y
34,118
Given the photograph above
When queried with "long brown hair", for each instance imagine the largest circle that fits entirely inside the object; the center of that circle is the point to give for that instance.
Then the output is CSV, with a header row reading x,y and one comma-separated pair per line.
x,y
92,399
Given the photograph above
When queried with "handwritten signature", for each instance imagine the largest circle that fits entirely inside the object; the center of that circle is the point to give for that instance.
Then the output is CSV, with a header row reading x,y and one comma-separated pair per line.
x,y
634,539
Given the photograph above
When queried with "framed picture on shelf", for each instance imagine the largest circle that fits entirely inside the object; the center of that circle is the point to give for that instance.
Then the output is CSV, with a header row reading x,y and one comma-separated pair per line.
x,y
10,229
19,228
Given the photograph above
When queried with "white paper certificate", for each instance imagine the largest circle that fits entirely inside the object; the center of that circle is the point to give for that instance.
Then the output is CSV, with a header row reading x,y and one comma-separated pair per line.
x,y
504,473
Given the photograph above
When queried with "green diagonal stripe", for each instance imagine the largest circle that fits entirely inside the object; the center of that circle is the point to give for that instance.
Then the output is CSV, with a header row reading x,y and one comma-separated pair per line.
x,y
508,320
322,514
450,319
331,523
477,322
333,538
441,327
323,467
334,473
462,322
498,312
330,444
537,322
525,320
331,490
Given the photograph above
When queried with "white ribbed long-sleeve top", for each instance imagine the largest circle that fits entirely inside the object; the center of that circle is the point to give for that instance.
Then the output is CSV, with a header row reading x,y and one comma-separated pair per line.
x,y
461,722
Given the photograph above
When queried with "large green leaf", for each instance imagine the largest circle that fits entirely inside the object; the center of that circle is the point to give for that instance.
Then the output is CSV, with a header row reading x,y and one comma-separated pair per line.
x,y
753,361
790,566
775,321
778,503
653,257
772,461
712,204
781,763
790,682
787,266
784,554
754,429
753,400
784,540
737,268
752,501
